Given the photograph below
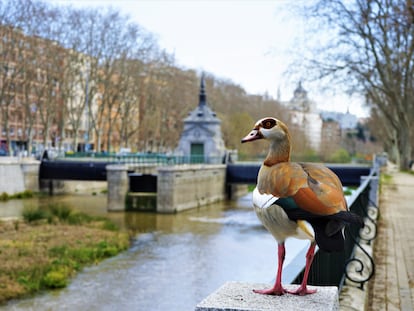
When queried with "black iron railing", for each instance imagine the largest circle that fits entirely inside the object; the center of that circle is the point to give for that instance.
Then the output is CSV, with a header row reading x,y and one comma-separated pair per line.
x,y
355,262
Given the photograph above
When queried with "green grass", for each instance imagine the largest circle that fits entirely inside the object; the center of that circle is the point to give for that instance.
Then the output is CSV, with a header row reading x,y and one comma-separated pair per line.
x,y
250,188
46,249
59,213
31,214
385,179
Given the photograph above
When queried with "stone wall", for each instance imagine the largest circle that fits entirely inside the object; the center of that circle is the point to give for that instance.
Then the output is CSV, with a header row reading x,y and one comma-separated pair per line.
x,y
18,175
118,185
185,187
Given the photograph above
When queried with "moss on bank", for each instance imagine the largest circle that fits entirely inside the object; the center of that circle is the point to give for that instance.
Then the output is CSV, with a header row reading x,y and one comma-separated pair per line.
x,y
21,195
46,250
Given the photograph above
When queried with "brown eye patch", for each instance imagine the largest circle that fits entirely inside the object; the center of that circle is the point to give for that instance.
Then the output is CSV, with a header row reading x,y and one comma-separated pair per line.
x,y
268,123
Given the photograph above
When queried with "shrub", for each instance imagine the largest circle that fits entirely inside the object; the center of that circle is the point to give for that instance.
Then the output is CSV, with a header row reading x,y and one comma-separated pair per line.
x,y
23,195
340,156
109,225
105,250
83,255
4,197
56,278
31,214
62,212
347,192
78,218
58,251
308,155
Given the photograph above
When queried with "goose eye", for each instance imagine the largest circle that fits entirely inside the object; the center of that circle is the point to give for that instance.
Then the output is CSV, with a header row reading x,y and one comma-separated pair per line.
x,y
269,123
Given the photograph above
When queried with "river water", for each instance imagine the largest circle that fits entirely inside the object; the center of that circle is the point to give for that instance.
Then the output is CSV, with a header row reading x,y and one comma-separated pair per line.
x,y
174,261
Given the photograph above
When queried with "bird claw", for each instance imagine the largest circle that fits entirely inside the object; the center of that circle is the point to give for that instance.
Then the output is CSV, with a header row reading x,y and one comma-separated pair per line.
x,y
302,291
276,291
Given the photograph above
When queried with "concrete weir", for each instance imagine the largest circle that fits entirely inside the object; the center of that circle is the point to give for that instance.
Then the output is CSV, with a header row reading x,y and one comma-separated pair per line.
x,y
189,186
178,187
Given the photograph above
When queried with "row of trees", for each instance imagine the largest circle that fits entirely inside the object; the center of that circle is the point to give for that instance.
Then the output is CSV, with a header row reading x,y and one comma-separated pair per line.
x,y
85,56
65,60
367,47
70,62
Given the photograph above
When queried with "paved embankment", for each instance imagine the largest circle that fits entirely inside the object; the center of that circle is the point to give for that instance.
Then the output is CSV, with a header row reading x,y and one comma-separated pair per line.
x,y
392,287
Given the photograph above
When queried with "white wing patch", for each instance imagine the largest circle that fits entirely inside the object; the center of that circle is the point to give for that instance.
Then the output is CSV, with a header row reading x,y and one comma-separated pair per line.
x,y
263,200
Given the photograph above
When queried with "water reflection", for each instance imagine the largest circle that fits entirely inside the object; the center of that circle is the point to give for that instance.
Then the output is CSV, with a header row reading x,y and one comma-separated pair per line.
x,y
174,262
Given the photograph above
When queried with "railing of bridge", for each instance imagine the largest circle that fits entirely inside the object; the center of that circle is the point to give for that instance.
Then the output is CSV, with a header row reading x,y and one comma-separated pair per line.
x,y
355,263
158,159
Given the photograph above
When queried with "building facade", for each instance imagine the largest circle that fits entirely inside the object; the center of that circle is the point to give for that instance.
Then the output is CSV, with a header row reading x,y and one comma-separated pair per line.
x,y
36,96
201,139
305,115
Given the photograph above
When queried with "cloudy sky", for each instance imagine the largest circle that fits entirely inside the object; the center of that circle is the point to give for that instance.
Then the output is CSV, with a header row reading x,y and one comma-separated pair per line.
x,y
246,41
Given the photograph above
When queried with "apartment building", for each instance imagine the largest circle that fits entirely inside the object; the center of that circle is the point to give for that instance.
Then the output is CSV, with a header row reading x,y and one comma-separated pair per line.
x,y
36,98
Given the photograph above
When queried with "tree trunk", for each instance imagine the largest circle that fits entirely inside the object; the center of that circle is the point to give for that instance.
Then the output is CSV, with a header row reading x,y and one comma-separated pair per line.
x,y
29,141
404,148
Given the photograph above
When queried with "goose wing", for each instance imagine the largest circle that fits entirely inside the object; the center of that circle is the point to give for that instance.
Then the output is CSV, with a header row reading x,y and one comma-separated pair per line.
x,y
313,187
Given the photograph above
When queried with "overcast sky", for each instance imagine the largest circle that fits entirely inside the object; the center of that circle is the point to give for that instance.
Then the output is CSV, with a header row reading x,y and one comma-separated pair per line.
x,y
246,41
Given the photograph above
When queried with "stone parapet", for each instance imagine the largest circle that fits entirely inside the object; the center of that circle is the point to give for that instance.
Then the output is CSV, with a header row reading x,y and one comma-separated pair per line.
x,y
237,296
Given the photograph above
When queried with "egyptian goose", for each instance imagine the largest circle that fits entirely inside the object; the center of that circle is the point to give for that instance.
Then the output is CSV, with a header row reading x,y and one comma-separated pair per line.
x,y
302,200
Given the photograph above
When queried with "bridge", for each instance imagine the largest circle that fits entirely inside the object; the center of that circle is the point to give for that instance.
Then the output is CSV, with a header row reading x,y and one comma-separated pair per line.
x,y
236,173
246,173
167,188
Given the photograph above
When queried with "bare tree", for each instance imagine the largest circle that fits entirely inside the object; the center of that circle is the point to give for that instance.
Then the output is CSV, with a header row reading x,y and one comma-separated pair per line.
x,y
76,85
163,104
368,46
11,71
9,76
134,80
93,76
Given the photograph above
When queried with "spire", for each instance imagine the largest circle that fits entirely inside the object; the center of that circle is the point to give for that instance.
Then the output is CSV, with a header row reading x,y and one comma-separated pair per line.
x,y
203,97
300,92
203,112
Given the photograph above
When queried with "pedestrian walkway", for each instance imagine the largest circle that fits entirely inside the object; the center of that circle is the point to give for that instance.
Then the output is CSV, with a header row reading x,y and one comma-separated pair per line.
x,y
392,287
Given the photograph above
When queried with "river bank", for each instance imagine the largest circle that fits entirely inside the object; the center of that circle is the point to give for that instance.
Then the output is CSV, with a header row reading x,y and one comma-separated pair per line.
x,y
173,262
45,253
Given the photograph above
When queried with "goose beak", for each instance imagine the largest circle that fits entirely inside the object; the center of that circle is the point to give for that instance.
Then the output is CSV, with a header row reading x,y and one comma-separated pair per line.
x,y
253,135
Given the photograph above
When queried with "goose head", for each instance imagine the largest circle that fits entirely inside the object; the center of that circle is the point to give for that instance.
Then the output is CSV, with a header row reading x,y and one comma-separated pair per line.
x,y
277,133
268,128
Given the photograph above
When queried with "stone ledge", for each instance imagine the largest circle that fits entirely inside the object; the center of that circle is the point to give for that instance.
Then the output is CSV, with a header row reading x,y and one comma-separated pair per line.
x,y
238,296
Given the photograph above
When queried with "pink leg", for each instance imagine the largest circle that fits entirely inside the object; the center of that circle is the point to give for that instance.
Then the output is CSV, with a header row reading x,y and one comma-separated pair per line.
x,y
302,289
277,288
